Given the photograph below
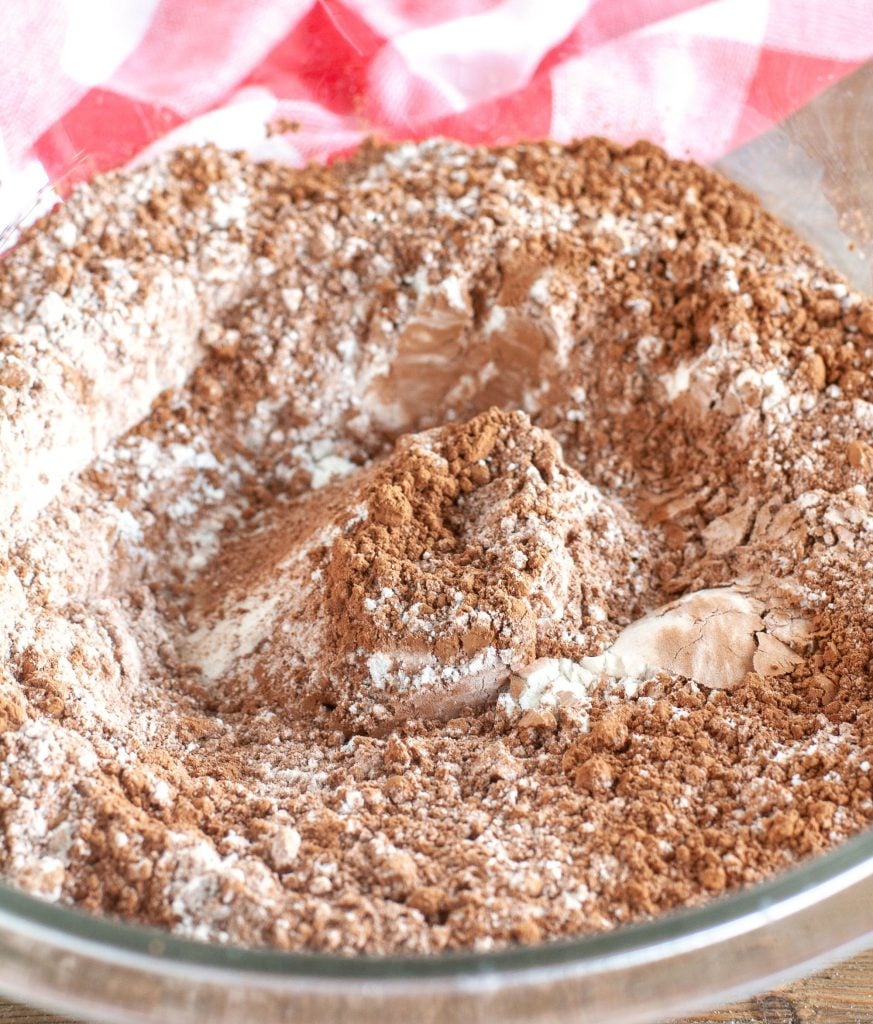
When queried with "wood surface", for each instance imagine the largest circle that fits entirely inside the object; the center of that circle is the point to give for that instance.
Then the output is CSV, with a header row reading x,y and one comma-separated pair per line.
x,y
838,995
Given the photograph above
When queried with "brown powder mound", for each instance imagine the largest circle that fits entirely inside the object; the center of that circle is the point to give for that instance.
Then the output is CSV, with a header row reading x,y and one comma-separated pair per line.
x,y
251,469
416,587
480,549
485,531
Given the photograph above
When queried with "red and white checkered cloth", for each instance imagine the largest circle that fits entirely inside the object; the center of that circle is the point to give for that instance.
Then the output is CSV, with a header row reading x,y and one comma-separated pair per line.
x,y
88,84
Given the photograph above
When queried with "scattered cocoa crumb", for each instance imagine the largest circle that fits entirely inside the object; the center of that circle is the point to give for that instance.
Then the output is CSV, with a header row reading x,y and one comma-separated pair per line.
x,y
282,125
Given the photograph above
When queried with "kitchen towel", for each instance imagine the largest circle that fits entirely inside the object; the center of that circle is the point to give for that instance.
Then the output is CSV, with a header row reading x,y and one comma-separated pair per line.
x,y
90,84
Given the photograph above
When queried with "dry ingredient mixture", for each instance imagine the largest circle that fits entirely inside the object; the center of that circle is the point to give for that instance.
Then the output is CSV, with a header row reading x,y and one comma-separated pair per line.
x,y
448,548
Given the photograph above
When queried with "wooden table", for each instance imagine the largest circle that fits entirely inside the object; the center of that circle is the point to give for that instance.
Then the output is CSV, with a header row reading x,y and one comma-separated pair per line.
x,y
839,995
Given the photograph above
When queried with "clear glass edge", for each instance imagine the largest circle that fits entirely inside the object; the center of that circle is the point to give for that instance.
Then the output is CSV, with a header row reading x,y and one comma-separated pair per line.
x,y
115,941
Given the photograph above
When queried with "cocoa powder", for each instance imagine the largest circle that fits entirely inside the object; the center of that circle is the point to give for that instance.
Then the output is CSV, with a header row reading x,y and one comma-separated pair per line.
x,y
364,590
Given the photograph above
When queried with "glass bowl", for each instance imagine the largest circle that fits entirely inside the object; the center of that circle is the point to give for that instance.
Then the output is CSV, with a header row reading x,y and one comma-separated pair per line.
x,y
106,971
814,171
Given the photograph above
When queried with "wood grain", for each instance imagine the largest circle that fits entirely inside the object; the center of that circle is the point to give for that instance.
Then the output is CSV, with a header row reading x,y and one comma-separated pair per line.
x,y
842,994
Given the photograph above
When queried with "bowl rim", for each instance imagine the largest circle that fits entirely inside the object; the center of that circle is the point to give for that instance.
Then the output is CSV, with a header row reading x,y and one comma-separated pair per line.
x,y
790,892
